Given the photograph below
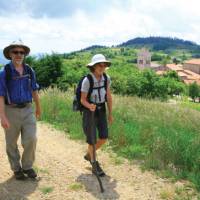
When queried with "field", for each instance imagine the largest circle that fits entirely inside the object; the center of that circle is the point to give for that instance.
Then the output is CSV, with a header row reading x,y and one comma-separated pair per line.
x,y
162,136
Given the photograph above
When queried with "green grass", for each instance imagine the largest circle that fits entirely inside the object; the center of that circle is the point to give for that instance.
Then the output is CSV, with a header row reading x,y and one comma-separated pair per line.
x,y
40,170
46,190
76,186
164,136
192,105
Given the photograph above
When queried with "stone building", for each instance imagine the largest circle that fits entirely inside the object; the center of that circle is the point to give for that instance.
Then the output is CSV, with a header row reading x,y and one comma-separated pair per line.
x,y
192,65
144,59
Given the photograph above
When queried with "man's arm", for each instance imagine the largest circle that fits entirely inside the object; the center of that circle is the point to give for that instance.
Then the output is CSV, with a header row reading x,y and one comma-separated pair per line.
x,y
4,121
37,104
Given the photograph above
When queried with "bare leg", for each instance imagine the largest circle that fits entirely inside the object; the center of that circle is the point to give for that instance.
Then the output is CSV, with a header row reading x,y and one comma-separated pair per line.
x,y
99,143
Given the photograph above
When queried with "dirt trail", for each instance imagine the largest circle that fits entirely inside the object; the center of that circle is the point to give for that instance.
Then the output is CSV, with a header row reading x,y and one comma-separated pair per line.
x,y
63,174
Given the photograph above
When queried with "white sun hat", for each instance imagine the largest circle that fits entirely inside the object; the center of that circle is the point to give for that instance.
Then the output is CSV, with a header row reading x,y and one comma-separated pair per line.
x,y
14,44
98,58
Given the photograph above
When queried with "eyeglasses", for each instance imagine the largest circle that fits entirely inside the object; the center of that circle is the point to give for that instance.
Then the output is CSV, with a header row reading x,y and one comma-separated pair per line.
x,y
18,52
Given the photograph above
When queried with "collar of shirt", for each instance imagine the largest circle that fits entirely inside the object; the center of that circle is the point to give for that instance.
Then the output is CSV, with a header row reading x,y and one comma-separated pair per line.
x,y
14,69
95,79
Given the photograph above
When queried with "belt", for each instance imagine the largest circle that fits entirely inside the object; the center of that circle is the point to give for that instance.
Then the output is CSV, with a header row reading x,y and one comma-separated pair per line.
x,y
98,104
20,105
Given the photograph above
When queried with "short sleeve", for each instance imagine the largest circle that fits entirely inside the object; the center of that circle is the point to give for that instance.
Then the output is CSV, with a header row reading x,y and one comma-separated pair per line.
x,y
85,85
34,84
109,80
2,83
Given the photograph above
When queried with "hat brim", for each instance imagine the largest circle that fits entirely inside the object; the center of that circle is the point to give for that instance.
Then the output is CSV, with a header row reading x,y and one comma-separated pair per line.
x,y
7,49
108,63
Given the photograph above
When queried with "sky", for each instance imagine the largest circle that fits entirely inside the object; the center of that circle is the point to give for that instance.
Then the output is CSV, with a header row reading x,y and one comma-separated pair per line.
x,y
67,25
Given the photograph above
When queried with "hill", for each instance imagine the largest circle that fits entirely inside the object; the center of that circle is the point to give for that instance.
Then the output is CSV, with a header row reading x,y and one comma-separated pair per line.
x,y
160,43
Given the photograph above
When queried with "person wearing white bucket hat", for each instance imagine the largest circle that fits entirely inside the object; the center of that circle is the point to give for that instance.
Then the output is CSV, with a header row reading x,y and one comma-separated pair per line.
x,y
17,89
100,95
98,58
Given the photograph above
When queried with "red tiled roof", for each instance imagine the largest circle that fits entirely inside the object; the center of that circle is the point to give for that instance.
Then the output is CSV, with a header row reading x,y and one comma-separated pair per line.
x,y
192,73
186,75
174,67
193,61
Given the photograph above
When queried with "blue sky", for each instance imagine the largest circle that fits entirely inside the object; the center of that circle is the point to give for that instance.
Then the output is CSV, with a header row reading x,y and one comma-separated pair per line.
x,y
68,25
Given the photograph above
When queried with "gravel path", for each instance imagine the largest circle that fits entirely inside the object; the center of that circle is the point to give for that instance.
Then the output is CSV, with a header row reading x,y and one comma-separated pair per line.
x,y
64,174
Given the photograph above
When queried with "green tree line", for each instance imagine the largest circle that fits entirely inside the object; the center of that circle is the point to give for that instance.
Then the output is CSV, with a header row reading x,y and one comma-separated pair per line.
x,y
65,71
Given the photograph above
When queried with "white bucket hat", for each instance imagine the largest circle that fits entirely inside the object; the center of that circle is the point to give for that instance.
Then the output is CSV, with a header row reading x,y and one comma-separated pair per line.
x,y
14,44
98,58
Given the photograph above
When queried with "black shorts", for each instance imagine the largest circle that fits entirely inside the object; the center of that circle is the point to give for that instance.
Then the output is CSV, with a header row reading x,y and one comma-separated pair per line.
x,y
100,124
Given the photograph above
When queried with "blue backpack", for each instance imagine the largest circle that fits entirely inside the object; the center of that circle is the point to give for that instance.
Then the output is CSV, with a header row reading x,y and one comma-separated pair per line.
x,y
77,106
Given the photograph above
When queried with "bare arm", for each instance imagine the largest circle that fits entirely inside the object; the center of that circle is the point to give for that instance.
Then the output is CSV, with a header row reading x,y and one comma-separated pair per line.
x,y
37,104
85,103
2,107
4,121
109,105
109,101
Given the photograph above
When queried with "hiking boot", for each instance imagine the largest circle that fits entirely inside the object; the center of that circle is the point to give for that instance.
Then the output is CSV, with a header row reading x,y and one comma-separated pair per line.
x,y
87,157
19,175
96,169
30,173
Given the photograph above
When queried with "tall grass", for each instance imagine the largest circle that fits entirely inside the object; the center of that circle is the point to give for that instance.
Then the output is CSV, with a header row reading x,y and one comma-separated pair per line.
x,y
164,136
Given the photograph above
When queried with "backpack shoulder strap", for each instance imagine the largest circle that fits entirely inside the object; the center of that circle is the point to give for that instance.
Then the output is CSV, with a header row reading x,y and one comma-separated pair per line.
x,y
7,72
91,81
106,81
29,70
105,84
8,77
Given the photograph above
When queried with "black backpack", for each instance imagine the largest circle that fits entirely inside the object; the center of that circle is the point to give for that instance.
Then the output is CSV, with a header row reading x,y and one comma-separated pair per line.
x,y
8,77
77,106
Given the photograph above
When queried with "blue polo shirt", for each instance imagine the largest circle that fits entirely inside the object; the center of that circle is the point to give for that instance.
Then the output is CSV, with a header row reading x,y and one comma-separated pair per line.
x,y
19,88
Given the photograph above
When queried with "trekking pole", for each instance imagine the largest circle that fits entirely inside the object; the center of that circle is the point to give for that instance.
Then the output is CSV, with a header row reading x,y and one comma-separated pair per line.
x,y
94,148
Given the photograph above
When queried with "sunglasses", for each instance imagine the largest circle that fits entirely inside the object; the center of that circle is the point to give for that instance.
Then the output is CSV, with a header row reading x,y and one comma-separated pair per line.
x,y
18,52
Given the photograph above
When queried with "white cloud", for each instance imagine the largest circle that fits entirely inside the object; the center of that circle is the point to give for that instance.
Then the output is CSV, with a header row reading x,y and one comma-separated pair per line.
x,y
176,18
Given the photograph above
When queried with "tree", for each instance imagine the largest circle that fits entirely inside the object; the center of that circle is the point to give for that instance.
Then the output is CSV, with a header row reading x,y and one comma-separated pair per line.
x,y
48,69
156,57
172,74
133,84
30,60
194,91
147,81
164,61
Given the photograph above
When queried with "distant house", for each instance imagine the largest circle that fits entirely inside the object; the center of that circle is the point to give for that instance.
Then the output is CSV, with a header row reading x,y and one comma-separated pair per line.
x,y
185,75
189,72
192,65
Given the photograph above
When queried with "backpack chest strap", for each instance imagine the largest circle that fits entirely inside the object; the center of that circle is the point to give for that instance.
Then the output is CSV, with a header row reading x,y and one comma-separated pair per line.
x,y
97,88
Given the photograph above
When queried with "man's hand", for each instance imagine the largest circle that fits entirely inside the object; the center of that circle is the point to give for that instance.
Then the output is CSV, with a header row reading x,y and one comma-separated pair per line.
x,y
92,107
38,113
5,123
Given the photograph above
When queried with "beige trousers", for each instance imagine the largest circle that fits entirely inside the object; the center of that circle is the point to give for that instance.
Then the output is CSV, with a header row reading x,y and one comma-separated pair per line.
x,y
22,121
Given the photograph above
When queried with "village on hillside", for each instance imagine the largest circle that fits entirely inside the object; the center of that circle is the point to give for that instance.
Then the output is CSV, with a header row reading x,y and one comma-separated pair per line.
x,y
189,71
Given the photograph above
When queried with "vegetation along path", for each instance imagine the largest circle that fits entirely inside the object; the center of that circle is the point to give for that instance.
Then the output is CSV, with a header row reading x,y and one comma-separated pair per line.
x,y
63,174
